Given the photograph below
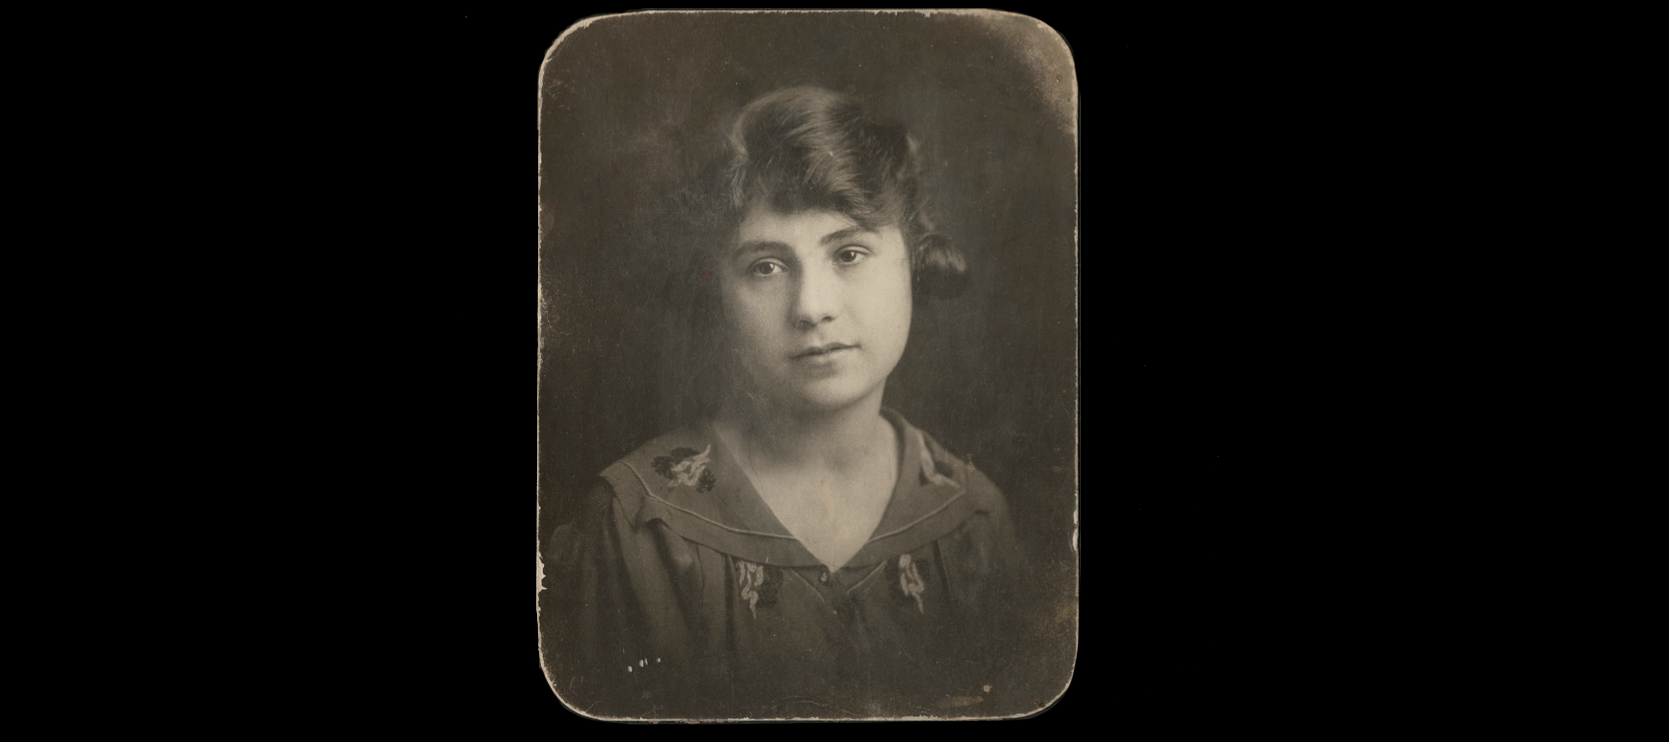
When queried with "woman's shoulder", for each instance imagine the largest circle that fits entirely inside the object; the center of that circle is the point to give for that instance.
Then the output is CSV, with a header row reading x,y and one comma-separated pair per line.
x,y
983,543
674,460
940,461
635,489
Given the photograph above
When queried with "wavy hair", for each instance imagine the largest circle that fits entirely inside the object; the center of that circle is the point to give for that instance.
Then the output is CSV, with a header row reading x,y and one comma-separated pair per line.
x,y
806,148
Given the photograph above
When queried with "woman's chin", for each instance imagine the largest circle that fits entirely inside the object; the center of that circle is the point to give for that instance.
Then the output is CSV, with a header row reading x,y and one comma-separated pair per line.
x,y
827,396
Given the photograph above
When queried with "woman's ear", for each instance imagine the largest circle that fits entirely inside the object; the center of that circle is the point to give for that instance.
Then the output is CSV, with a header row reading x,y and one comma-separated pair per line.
x,y
940,271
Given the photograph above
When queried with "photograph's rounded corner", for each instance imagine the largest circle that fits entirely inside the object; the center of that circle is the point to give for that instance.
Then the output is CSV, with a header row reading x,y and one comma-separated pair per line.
x,y
1022,716
545,672
550,52
1040,710
1060,38
575,710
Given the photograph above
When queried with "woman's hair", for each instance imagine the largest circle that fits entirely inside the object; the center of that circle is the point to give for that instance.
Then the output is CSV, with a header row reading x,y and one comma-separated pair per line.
x,y
792,150
806,148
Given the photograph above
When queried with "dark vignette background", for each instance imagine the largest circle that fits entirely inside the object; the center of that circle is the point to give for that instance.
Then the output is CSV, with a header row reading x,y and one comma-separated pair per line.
x,y
629,100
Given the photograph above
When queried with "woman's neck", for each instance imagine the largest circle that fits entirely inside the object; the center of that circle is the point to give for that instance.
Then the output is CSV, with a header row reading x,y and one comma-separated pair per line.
x,y
828,440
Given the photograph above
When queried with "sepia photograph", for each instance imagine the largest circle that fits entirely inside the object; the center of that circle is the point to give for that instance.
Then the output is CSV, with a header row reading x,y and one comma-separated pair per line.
x,y
808,366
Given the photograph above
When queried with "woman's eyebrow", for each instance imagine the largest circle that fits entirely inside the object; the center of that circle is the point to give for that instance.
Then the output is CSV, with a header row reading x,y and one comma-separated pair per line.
x,y
841,235
758,246
751,246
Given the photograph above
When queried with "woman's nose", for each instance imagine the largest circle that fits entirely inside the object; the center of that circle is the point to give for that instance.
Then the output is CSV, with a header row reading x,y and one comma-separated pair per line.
x,y
817,298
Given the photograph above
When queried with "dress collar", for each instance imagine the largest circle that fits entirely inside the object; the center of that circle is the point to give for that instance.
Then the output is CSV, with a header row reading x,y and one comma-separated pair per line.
x,y
690,481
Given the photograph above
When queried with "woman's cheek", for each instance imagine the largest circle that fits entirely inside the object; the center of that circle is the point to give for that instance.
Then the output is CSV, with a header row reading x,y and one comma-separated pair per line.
x,y
902,306
751,321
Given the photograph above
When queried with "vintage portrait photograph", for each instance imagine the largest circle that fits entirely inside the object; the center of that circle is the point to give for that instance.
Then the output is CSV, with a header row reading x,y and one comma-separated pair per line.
x,y
808,366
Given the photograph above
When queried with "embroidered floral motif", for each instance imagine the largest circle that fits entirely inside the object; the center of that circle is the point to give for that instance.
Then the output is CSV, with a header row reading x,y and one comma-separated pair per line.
x,y
687,467
909,580
931,472
758,583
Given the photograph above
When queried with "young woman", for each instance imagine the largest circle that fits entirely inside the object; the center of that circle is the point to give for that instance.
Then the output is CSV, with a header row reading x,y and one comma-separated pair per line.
x,y
800,550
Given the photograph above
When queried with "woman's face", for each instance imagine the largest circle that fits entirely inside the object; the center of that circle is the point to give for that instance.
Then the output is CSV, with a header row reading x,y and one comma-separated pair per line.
x,y
817,308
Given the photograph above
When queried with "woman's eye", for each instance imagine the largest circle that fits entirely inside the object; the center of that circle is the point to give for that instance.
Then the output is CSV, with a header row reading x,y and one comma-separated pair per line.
x,y
849,255
765,269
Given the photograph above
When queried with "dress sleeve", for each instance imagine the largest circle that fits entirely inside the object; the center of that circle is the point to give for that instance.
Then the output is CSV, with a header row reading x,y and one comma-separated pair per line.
x,y
1007,619
612,630
1036,616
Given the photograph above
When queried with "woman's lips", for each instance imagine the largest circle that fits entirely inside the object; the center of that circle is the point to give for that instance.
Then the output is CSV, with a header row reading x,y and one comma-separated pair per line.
x,y
822,350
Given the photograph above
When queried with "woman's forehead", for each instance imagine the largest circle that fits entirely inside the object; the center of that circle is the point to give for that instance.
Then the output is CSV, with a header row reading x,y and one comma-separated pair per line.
x,y
761,218
760,215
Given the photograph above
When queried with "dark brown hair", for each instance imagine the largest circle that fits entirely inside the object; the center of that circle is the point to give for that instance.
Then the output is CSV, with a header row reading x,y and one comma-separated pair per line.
x,y
804,148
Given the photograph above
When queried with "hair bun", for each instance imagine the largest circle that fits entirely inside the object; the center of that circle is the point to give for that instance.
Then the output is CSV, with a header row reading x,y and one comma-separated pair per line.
x,y
940,270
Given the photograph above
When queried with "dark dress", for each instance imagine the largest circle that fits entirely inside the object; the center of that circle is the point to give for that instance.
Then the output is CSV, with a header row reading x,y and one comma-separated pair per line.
x,y
678,594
